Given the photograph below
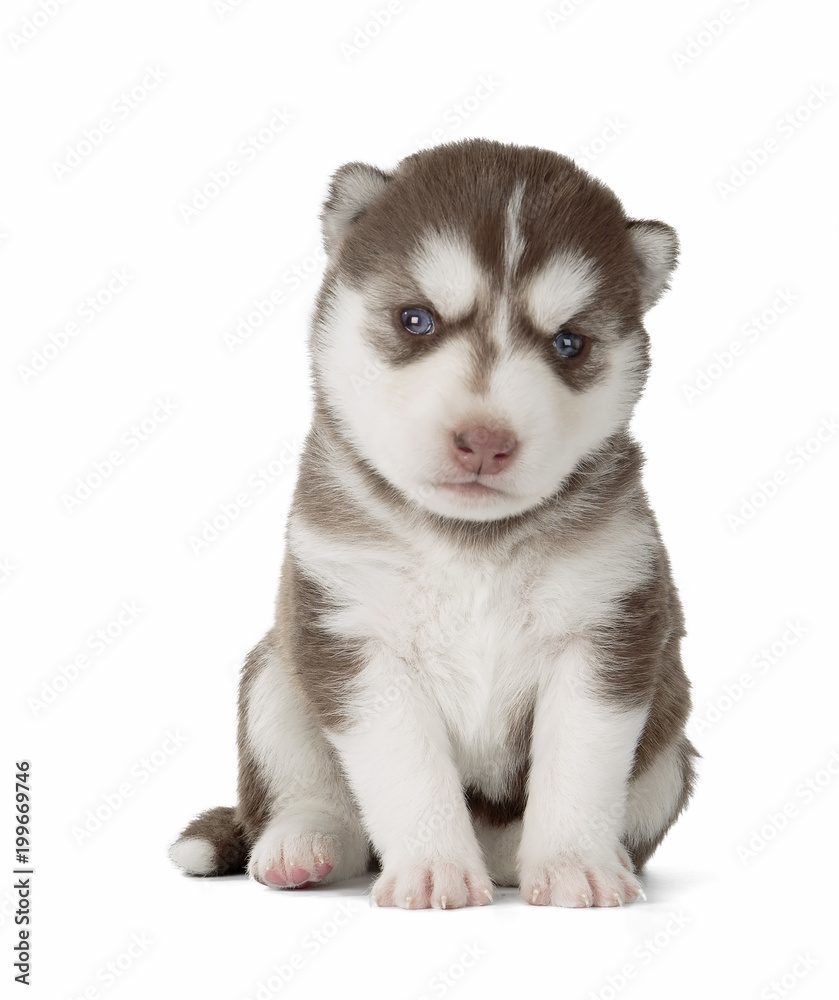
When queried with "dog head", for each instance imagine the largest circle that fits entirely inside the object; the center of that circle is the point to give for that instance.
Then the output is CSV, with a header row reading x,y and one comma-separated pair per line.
x,y
479,331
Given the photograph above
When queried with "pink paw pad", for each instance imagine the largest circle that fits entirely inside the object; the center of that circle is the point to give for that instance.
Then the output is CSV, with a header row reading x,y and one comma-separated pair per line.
x,y
275,877
295,877
322,869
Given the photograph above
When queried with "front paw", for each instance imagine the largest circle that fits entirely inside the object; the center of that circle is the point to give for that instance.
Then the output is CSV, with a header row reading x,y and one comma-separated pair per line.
x,y
438,884
297,861
571,879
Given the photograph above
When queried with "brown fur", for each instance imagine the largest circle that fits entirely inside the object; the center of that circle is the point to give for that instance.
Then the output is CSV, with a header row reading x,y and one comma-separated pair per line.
x,y
562,209
220,827
252,810
323,663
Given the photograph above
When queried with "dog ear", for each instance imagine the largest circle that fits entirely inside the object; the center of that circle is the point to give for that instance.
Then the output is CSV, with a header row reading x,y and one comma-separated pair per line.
x,y
352,190
656,248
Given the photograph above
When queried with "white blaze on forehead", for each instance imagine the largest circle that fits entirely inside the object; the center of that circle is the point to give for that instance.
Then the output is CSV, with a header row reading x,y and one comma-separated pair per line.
x,y
564,286
448,273
514,241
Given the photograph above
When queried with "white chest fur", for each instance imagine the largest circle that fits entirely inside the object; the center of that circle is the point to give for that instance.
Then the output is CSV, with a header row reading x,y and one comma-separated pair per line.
x,y
477,635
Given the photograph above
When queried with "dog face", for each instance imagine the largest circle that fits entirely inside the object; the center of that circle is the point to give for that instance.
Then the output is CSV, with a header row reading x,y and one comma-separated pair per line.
x,y
479,331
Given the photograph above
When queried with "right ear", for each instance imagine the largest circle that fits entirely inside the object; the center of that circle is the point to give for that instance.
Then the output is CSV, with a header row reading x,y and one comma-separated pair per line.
x,y
354,187
656,248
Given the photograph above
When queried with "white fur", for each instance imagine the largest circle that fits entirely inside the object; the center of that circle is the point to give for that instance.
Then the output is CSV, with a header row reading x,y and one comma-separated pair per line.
x,y
427,401
582,753
195,855
655,249
407,737
452,646
582,757
653,796
448,274
561,289
474,639
312,811
452,649
514,243
288,746
358,185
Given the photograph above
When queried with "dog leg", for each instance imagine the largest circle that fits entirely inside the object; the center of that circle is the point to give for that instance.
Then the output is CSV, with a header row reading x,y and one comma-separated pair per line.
x,y
309,829
582,752
400,766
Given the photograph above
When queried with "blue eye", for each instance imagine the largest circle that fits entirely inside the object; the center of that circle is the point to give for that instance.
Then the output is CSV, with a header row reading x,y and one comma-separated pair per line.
x,y
417,320
568,345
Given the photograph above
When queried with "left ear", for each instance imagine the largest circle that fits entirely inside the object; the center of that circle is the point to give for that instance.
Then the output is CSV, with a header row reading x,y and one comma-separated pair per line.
x,y
656,248
353,188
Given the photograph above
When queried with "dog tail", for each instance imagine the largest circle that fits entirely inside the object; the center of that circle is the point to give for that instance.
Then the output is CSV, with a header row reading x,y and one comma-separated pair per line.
x,y
212,844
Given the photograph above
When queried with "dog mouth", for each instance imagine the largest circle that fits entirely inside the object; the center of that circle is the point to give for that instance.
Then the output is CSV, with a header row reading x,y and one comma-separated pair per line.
x,y
471,488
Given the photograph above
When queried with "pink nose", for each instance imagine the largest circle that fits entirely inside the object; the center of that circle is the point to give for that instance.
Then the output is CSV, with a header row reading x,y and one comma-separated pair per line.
x,y
478,449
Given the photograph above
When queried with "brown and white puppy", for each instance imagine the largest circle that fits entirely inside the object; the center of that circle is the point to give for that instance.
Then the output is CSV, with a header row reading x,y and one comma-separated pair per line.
x,y
474,671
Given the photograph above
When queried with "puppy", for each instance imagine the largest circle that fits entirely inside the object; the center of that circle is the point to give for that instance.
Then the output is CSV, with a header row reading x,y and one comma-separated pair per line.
x,y
474,674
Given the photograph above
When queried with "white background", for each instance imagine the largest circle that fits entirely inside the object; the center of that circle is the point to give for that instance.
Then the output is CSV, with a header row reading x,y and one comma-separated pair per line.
x,y
683,118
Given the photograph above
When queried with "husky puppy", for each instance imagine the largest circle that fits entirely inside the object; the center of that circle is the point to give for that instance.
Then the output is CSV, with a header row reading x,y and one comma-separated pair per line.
x,y
474,676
